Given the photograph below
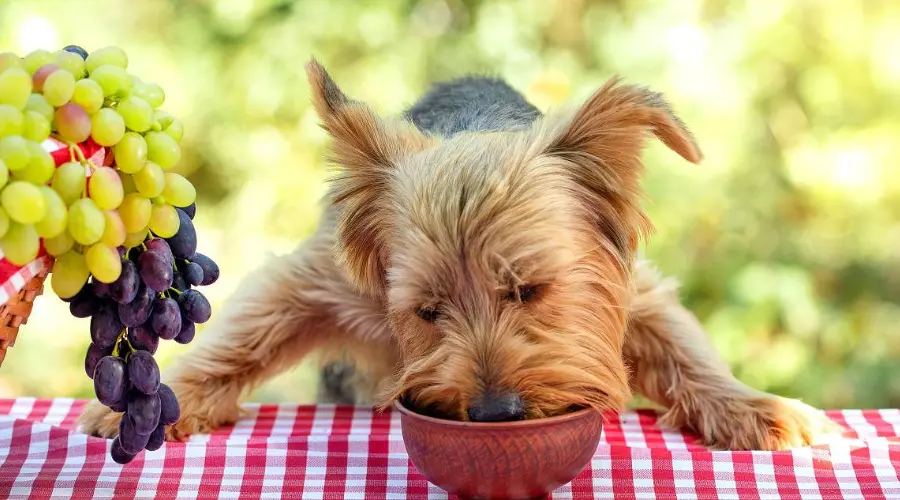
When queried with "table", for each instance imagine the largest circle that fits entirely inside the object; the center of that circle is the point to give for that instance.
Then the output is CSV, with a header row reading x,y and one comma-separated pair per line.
x,y
290,451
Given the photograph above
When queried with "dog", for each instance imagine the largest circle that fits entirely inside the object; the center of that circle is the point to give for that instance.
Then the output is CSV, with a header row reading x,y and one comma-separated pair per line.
x,y
479,260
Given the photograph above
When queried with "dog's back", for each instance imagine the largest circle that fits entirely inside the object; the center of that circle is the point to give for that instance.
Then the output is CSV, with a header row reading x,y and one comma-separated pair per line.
x,y
471,104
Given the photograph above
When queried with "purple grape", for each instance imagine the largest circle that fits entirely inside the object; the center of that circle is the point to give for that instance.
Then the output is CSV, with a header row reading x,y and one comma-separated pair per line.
x,y
120,405
194,274
160,245
190,210
137,312
84,304
179,283
157,438
118,454
143,338
131,440
143,372
186,335
106,325
210,268
93,356
166,318
194,306
110,380
100,289
184,242
144,411
170,410
156,270
126,287
76,50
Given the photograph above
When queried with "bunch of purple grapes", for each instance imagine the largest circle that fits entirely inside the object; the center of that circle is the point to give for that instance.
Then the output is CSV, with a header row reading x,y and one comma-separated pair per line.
x,y
154,298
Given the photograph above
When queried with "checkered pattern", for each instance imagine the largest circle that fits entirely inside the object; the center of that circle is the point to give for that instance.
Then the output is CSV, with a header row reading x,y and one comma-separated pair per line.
x,y
13,277
284,451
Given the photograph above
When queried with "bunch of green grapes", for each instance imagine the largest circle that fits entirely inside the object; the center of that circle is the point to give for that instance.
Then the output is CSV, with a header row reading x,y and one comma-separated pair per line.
x,y
86,215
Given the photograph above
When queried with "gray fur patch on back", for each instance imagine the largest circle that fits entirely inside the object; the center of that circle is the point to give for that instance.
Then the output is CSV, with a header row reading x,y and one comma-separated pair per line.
x,y
472,104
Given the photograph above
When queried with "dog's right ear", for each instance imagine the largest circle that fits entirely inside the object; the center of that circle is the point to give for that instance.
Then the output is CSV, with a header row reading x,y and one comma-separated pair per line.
x,y
365,148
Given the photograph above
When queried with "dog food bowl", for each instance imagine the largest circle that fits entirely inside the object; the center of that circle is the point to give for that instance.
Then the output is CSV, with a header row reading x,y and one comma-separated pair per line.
x,y
503,460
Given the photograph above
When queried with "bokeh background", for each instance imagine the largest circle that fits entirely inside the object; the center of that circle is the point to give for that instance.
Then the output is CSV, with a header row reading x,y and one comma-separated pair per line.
x,y
786,238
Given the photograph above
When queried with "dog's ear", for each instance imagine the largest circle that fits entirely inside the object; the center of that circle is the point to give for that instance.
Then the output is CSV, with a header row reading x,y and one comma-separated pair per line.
x,y
365,148
601,144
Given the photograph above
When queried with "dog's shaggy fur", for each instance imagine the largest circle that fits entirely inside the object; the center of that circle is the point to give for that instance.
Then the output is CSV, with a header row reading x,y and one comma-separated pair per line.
x,y
479,260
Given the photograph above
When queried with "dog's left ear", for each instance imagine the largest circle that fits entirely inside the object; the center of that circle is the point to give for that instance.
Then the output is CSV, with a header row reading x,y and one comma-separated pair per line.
x,y
602,143
365,148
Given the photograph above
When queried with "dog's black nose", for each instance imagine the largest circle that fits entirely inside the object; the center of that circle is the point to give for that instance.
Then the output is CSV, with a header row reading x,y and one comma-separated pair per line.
x,y
501,407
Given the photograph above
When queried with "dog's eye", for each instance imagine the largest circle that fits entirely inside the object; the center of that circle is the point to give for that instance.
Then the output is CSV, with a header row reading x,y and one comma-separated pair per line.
x,y
522,293
428,314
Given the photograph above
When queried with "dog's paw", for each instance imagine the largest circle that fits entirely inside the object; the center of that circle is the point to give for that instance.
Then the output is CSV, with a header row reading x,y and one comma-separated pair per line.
x,y
767,423
99,421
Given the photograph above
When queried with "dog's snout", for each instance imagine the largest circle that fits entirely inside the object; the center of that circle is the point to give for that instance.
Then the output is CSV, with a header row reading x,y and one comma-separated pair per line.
x,y
500,407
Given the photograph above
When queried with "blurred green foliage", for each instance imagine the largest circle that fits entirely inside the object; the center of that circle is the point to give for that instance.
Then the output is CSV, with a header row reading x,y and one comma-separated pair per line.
x,y
786,238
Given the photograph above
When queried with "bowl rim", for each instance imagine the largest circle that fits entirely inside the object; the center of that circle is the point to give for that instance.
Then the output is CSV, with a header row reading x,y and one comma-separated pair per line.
x,y
515,424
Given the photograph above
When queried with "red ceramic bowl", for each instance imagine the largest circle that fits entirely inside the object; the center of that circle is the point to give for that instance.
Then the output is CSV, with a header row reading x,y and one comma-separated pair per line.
x,y
504,460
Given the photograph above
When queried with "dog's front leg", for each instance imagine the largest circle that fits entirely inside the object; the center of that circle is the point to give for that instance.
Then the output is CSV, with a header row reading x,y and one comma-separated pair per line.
x,y
289,307
674,365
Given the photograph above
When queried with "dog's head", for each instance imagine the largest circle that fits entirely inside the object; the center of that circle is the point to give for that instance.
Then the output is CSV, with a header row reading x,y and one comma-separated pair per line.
x,y
503,258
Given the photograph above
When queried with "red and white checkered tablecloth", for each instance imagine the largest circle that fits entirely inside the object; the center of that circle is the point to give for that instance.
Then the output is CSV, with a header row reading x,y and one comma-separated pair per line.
x,y
289,451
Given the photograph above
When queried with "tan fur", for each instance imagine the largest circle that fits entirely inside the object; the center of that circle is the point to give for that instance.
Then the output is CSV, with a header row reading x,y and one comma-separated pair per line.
x,y
411,226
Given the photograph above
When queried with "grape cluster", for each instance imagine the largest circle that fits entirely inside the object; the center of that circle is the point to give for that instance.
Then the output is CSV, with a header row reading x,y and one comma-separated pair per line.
x,y
121,234
153,298
84,213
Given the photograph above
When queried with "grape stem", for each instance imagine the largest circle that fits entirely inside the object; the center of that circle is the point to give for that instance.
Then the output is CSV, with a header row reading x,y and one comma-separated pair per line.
x,y
174,290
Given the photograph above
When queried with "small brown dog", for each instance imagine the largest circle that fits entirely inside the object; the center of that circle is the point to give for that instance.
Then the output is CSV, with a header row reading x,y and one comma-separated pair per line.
x,y
480,261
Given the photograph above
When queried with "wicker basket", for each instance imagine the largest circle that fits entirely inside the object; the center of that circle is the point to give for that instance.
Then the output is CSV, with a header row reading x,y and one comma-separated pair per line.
x,y
16,311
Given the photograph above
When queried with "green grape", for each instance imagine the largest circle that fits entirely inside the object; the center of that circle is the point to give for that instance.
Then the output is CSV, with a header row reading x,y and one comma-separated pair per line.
x,y
59,88
128,185
40,76
9,60
41,167
15,87
136,238
107,127
175,130
178,191
151,93
33,61
106,56
163,118
150,180
162,150
164,220
71,62
54,223
59,244
23,202
14,151
105,188
35,127
69,274
4,174
103,262
131,153
20,244
114,231
86,221
39,105
112,79
4,222
137,113
135,212
11,120
72,123
89,95
69,181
